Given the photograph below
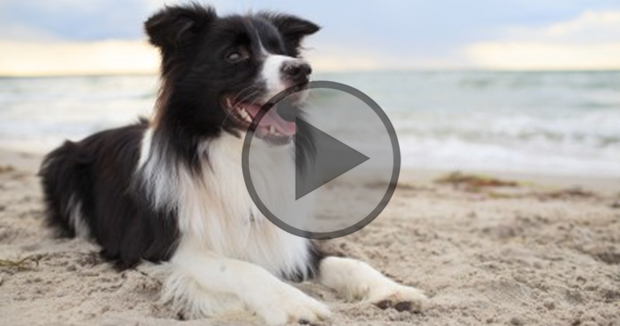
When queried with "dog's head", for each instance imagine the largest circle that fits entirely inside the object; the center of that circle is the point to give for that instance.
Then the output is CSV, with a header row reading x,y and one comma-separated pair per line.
x,y
218,71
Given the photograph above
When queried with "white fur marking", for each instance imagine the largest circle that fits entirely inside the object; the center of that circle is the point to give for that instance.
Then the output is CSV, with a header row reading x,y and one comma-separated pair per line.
x,y
272,73
145,147
356,280
158,175
260,44
210,284
76,219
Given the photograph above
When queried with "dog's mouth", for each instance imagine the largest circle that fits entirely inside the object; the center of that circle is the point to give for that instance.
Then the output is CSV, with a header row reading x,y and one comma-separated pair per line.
x,y
274,127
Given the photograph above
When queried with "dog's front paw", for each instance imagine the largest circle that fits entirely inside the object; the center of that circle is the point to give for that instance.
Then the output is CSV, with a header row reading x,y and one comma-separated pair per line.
x,y
286,304
399,297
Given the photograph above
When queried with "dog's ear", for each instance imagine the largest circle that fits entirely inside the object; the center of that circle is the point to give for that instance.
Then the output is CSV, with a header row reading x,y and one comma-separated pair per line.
x,y
293,29
175,26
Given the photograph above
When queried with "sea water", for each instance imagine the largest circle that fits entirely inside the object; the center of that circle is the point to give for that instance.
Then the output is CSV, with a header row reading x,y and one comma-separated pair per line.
x,y
565,123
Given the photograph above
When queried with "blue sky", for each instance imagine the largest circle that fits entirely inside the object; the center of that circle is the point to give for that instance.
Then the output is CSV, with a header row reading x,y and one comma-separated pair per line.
x,y
387,34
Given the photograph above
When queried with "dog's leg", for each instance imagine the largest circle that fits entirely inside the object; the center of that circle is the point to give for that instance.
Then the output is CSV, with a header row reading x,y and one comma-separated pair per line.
x,y
271,299
356,280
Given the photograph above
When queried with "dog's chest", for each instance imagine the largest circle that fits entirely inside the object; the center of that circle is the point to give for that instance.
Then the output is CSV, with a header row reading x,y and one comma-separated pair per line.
x,y
221,214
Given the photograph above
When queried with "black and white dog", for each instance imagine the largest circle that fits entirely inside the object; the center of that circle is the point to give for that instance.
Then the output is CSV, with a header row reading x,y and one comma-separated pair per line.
x,y
171,189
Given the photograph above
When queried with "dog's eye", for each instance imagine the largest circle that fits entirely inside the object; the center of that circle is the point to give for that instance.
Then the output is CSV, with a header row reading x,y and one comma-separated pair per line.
x,y
237,55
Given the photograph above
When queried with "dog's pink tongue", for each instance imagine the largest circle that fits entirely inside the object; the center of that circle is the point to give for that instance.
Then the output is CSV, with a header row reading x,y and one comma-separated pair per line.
x,y
272,118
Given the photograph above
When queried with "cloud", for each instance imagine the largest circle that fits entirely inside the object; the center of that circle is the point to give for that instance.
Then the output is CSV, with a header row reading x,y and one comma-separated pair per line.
x,y
67,58
590,41
74,20
588,27
73,36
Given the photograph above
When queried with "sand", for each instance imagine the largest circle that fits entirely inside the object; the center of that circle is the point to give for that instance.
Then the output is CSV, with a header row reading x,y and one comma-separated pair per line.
x,y
534,254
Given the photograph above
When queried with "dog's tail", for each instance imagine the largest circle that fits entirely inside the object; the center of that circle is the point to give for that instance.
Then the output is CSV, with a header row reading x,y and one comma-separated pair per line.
x,y
65,178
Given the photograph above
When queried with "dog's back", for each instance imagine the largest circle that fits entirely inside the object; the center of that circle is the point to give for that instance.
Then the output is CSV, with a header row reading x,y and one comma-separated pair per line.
x,y
89,192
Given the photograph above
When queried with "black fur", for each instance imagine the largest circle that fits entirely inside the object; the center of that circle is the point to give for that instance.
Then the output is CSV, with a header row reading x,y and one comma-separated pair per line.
x,y
99,172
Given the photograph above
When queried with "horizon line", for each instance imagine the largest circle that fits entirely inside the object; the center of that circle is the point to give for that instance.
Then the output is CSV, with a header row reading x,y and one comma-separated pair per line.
x,y
374,70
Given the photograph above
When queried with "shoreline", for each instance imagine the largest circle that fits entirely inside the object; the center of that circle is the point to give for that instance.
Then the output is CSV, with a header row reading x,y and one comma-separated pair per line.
x,y
608,186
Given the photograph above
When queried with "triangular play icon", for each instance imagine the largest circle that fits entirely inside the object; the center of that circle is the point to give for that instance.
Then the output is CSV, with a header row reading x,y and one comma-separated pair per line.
x,y
333,159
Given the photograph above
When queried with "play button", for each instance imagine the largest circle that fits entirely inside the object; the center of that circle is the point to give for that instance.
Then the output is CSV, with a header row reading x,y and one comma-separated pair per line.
x,y
339,159
336,173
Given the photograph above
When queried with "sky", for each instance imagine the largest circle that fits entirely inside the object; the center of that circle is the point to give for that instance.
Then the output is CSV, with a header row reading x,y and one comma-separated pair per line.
x,y
54,37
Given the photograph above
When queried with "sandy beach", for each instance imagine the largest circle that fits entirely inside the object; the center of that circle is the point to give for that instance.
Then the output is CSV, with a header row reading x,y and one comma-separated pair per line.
x,y
487,251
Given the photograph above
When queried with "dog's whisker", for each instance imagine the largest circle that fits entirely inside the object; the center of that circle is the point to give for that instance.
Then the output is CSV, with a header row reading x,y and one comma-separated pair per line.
x,y
249,88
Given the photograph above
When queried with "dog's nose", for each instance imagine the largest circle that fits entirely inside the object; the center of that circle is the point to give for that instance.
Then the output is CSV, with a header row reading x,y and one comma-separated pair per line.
x,y
296,71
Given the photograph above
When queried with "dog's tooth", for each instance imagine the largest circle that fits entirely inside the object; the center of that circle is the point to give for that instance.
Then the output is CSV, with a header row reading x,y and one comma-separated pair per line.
x,y
247,116
243,114
272,130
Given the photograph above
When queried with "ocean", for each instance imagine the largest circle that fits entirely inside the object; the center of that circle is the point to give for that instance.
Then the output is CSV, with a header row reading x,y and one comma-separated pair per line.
x,y
561,123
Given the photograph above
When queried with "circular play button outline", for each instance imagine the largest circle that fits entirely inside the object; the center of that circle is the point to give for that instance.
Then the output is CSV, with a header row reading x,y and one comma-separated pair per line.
x,y
395,165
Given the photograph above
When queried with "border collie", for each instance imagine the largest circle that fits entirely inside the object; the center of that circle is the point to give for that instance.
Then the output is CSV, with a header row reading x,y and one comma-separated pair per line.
x,y
171,189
